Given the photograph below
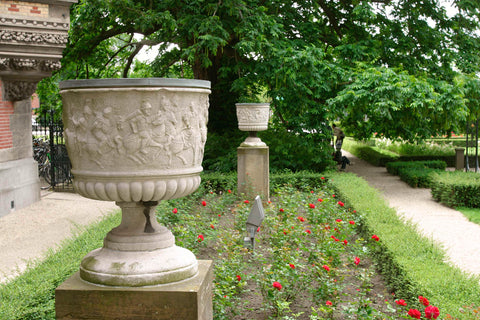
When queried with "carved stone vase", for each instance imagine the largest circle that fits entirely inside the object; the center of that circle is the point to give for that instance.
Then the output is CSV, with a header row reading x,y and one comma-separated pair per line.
x,y
136,142
253,117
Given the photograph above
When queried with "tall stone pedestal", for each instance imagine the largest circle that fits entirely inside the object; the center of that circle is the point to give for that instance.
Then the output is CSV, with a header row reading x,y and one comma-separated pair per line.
x,y
253,171
189,299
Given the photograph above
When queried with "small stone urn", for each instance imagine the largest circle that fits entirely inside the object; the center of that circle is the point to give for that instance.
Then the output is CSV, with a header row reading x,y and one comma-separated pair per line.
x,y
253,117
136,142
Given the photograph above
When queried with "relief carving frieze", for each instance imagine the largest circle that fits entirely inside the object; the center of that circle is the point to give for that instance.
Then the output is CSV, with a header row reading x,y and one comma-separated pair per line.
x,y
33,37
163,133
253,115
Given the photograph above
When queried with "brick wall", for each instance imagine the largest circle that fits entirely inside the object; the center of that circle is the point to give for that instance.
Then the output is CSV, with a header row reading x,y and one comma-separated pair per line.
x,y
24,8
6,110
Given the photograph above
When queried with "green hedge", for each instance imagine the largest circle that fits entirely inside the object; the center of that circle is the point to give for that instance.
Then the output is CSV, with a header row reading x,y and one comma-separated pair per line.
x,y
449,160
457,188
412,265
395,167
372,155
417,177
219,182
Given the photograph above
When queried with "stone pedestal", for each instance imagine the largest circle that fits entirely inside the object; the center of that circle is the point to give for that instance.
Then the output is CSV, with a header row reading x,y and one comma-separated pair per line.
x,y
459,159
187,300
253,171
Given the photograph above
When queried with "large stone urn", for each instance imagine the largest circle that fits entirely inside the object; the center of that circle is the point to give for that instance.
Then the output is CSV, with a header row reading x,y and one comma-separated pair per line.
x,y
136,142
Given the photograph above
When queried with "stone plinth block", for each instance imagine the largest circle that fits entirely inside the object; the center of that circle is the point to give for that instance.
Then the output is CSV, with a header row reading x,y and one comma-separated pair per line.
x,y
253,172
187,299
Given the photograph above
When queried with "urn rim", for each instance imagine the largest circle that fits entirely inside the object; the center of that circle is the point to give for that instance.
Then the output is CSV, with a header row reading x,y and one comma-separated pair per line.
x,y
133,82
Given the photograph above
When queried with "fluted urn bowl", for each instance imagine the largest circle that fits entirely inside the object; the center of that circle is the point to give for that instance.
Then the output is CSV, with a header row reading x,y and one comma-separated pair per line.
x,y
136,142
253,117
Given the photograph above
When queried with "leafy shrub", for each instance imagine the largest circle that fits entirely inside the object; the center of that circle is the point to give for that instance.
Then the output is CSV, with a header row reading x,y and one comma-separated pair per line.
x,y
456,188
297,151
395,167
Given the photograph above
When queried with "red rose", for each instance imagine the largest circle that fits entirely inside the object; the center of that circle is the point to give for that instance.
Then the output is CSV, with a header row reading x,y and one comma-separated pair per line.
x,y
401,302
204,203
328,303
345,242
311,205
291,265
327,268
375,237
239,278
333,196
212,226
423,301
319,200
323,178
282,210
341,204
339,220
414,313
200,238
246,201
258,229
432,312
277,285
356,260
229,191
302,219
308,231
351,222
174,210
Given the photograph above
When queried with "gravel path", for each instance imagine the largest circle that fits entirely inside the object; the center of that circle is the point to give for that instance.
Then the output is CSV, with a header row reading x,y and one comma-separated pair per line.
x,y
447,227
27,234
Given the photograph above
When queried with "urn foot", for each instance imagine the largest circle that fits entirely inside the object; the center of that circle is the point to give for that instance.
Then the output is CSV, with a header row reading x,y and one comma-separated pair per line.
x,y
136,269
139,252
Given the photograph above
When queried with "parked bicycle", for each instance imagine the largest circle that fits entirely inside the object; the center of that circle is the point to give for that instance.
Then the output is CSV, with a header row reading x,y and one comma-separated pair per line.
x,y
42,154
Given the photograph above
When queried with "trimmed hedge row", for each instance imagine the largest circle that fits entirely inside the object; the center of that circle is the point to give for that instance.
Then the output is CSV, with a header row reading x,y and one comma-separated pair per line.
x,y
379,157
219,182
395,167
372,155
412,265
416,174
417,177
457,188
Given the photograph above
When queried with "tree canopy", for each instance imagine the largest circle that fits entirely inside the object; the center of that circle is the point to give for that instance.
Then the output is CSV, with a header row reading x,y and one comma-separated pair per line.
x,y
398,68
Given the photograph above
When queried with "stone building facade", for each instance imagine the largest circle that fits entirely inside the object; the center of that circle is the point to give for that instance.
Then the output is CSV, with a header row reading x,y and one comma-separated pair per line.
x,y
33,35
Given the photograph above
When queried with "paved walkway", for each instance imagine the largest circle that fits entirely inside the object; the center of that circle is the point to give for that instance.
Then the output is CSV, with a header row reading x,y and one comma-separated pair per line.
x,y
449,228
28,233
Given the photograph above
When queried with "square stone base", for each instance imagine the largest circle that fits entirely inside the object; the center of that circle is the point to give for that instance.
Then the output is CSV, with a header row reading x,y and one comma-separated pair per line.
x,y
188,299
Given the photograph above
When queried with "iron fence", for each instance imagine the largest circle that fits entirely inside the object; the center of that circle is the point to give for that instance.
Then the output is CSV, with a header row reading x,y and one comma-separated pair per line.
x,y
50,151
